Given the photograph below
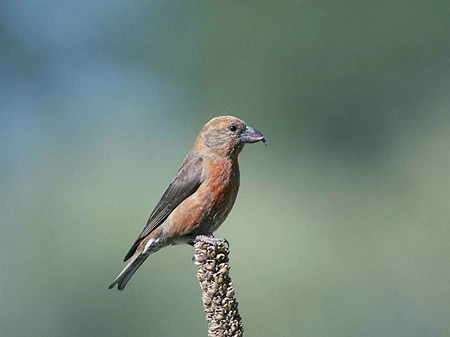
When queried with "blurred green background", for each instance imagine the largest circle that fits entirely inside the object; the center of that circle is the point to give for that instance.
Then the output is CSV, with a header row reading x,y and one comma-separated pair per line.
x,y
341,227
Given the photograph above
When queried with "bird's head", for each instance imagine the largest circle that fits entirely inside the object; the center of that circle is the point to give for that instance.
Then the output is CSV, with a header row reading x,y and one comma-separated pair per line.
x,y
227,135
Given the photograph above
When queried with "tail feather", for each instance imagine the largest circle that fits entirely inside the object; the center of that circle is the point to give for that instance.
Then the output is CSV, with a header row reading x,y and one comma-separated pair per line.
x,y
129,270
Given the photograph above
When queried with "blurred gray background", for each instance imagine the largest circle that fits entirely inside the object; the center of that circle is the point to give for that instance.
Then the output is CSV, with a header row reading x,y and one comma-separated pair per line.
x,y
341,227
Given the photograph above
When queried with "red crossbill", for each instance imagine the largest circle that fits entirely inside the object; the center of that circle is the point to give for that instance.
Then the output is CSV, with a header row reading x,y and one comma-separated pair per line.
x,y
200,196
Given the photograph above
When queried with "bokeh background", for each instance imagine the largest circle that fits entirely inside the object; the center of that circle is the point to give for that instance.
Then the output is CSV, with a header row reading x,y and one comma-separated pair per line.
x,y
341,227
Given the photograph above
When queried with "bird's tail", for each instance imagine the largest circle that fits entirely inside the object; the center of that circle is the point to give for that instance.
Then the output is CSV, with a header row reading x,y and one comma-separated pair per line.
x,y
129,270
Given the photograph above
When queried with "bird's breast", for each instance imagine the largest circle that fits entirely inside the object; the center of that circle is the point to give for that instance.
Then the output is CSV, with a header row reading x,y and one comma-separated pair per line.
x,y
205,210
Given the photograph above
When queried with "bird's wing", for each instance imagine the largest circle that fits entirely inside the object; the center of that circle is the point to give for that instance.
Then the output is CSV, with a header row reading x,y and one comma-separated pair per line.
x,y
185,183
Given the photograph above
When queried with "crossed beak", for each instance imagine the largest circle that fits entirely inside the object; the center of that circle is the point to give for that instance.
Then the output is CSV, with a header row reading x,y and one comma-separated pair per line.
x,y
251,135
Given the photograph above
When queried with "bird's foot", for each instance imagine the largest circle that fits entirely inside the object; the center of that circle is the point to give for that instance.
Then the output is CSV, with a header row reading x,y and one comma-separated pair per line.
x,y
211,240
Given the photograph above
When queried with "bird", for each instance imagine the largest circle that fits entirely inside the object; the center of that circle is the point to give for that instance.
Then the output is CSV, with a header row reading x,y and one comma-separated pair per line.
x,y
200,196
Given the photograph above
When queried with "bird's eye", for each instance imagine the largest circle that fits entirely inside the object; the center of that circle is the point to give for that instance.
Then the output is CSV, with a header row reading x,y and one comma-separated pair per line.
x,y
232,127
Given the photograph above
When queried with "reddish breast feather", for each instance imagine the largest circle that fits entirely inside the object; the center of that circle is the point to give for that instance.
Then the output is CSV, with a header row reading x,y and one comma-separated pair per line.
x,y
221,191
205,210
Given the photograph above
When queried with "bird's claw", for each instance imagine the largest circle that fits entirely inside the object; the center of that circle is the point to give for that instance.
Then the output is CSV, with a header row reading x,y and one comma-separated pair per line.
x,y
211,240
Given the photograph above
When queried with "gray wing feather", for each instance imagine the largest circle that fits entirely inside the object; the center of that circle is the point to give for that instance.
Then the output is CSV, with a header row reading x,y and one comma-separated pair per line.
x,y
184,184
